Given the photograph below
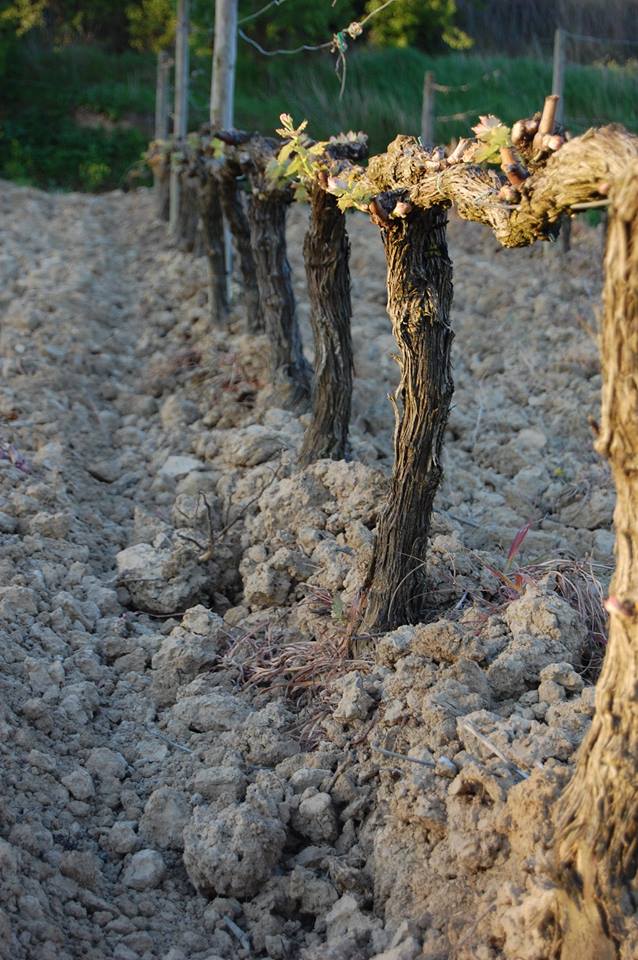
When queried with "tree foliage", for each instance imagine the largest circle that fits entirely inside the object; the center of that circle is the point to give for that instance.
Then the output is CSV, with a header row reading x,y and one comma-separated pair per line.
x,y
150,24
427,24
24,15
295,22
64,21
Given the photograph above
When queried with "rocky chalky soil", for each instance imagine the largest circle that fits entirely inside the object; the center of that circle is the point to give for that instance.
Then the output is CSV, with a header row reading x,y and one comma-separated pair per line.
x,y
176,783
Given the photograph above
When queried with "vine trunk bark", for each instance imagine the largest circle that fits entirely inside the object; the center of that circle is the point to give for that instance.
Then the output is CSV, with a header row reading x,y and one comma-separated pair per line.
x,y
419,300
235,213
596,848
163,192
290,372
210,210
327,260
188,217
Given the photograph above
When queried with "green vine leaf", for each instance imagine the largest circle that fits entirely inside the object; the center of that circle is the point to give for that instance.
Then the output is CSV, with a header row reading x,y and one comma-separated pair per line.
x,y
492,134
217,148
302,163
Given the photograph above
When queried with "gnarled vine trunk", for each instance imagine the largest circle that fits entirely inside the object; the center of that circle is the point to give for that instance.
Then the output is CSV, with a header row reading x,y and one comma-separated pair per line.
x,y
235,213
290,372
162,179
327,260
596,850
212,218
189,232
419,300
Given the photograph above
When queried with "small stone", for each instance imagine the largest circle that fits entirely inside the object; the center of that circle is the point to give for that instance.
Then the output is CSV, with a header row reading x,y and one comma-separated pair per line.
x,y
563,674
252,445
176,467
200,620
79,783
159,577
346,919
550,692
175,412
530,696
122,952
603,544
222,785
106,471
106,764
16,600
56,526
316,818
355,703
122,837
42,761
232,852
140,941
278,946
144,871
152,751
81,866
166,813
308,777
539,709
446,768
7,524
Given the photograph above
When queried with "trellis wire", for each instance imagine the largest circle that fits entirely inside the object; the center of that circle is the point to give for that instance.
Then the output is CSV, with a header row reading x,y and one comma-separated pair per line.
x,y
353,30
464,87
466,115
430,88
338,44
607,40
276,53
258,13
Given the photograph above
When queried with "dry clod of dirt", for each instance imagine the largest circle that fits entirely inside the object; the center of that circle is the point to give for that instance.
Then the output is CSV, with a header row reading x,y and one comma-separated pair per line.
x,y
233,851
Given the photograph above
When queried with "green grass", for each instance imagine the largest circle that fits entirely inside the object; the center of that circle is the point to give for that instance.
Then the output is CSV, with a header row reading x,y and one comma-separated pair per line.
x,y
384,92
42,142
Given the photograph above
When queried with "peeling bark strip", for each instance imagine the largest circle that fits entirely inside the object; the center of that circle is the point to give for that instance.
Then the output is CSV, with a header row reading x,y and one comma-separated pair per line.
x,y
327,256
235,214
290,372
419,300
596,852
213,229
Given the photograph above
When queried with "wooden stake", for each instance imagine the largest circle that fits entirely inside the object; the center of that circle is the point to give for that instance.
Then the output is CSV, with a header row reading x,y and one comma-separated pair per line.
x,y
222,95
558,88
180,120
161,172
161,95
427,113
558,75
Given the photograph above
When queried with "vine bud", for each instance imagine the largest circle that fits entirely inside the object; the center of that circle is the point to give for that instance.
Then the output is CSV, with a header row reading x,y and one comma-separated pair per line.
x,y
401,209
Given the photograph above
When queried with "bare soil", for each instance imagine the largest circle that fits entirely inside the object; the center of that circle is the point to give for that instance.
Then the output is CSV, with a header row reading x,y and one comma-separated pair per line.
x,y
193,765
